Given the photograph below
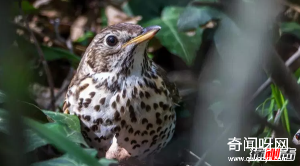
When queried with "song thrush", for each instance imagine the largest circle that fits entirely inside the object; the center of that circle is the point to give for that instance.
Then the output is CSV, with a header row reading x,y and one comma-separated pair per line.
x,y
123,99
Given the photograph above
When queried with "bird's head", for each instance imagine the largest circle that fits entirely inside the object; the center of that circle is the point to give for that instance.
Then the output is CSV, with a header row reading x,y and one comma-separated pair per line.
x,y
120,48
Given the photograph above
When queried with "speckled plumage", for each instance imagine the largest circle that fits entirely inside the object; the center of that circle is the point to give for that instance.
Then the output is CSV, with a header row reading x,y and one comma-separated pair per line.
x,y
122,98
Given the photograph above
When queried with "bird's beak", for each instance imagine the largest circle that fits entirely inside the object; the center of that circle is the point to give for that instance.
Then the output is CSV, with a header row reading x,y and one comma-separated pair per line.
x,y
147,34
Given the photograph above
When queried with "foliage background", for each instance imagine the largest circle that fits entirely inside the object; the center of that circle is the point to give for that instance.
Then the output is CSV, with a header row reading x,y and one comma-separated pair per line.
x,y
216,55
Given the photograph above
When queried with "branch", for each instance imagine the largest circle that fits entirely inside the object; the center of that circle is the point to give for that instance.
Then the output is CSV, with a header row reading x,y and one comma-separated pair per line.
x,y
42,58
268,82
283,77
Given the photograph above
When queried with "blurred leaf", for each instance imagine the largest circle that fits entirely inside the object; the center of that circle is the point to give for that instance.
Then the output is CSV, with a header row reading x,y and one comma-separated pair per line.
x,y
68,126
85,37
61,142
149,55
33,140
107,162
3,121
152,9
27,8
226,27
71,125
297,73
178,43
193,17
52,53
104,21
29,110
126,9
290,28
2,97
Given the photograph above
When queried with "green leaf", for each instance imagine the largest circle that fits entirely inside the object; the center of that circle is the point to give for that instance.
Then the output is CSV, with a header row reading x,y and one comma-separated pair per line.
x,y
152,9
27,8
107,162
290,28
52,53
297,74
64,124
29,110
149,55
193,17
33,140
104,19
178,43
85,37
71,125
61,142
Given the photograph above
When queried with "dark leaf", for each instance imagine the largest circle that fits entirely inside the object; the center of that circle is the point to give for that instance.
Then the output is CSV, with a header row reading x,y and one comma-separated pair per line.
x,y
152,9
29,110
61,142
178,43
27,8
52,53
290,28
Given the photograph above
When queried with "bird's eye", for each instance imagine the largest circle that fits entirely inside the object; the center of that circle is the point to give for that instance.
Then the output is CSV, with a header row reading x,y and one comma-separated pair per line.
x,y
111,40
298,136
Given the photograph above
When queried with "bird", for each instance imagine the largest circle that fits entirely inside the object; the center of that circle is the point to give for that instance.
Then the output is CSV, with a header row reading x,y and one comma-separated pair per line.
x,y
125,102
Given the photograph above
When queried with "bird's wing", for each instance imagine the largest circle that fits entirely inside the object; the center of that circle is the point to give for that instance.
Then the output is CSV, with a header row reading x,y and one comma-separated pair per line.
x,y
172,88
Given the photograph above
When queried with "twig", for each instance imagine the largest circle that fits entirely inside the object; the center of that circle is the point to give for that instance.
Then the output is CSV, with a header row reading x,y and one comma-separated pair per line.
x,y
268,82
78,49
64,86
42,58
291,5
197,157
68,43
